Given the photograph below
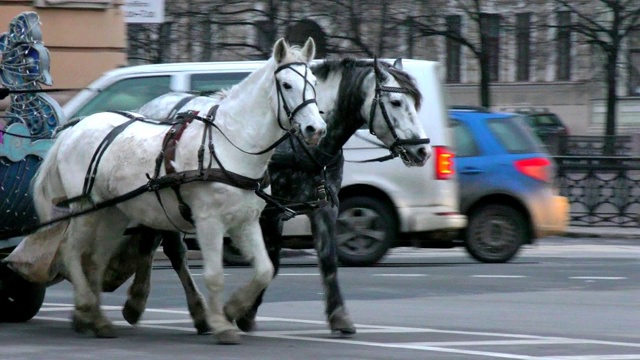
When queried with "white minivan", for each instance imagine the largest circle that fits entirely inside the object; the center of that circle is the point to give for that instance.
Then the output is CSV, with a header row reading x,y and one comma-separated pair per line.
x,y
382,204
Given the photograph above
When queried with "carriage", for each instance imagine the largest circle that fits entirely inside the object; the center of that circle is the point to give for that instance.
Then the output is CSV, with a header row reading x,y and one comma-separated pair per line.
x,y
26,129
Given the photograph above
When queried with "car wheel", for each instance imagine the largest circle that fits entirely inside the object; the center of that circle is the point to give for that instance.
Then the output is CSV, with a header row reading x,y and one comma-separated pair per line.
x,y
366,229
495,233
20,300
232,256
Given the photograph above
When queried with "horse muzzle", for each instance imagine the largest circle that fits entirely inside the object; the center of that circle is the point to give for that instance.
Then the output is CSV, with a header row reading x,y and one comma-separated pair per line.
x,y
415,155
312,135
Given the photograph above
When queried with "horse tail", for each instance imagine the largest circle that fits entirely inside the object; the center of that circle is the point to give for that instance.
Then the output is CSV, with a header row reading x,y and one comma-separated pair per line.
x,y
47,183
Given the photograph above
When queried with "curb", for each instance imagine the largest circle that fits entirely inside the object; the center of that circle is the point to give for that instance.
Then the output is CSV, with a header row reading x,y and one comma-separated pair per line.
x,y
628,233
574,232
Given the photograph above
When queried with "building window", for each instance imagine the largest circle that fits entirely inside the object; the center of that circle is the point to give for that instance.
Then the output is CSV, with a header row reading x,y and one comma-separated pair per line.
x,y
634,72
563,46
523,43
82,4
634,63
490,27
454,23
265,34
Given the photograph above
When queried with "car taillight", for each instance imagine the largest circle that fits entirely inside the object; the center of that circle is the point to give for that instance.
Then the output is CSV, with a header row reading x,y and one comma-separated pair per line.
x,y
537,168
444,163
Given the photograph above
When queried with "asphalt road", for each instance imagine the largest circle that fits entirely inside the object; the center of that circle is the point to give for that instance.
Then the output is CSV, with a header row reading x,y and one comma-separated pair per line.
x,y
572,299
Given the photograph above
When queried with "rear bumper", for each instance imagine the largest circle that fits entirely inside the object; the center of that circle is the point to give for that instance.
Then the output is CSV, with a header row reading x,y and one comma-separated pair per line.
x,y
553,219
430,218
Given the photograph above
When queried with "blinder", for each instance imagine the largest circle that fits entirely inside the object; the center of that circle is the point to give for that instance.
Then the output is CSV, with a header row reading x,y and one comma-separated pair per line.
x,y
305,102
397,148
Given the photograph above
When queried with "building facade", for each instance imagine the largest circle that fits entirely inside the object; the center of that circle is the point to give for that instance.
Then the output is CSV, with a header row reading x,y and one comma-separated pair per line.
x,y
534,60
84,38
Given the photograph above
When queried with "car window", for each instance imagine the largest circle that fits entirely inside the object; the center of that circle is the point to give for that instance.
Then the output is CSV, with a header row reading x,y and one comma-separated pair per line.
x,y
127,94
210,82
548,120
465,143
513,136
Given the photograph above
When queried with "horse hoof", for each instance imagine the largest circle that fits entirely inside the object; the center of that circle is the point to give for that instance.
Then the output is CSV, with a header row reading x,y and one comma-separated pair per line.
x,y
203,327
228,337
341,324
230,312
131,314
246,324
105,332
80,326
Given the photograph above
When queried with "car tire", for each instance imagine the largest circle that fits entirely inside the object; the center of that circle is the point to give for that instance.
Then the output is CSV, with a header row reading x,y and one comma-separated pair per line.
x,y
20,300
495,233
365,230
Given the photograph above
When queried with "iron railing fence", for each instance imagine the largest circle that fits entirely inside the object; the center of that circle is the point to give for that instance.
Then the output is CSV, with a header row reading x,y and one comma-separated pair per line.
x,y
602,190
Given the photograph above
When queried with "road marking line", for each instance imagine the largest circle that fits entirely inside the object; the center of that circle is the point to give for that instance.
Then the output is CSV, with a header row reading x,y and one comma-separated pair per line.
x,y
405,346
156,322
598,277
599,357
500,276
395,329
200,274
549,341
401,275
301,274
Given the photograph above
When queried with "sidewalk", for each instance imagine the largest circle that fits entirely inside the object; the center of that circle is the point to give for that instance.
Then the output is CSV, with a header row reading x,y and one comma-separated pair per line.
x,y
612,232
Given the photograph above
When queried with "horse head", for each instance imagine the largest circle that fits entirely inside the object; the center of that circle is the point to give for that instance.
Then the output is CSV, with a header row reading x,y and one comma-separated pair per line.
x,y
296,94
393,101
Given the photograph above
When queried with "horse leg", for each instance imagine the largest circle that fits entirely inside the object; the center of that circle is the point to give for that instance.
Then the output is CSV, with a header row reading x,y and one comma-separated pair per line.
x,y
176,251
108,240
210,238
79,235
138,292
88,241
250,242
323,228
272,234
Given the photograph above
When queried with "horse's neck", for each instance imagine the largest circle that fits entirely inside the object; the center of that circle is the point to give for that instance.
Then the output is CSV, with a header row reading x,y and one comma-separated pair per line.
x,y
246,117
342,121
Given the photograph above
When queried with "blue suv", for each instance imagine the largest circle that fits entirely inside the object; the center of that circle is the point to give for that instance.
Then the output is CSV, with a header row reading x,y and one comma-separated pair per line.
x,y
506,184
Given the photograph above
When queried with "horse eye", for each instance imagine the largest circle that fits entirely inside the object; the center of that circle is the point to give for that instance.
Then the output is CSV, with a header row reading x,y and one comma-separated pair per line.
x,y
396,103
286,86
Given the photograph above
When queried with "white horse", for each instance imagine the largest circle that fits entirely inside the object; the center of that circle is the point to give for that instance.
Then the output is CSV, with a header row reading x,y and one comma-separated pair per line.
x,y
251,117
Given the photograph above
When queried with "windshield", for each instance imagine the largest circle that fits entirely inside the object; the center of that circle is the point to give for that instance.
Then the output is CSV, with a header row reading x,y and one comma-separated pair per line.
x,y
514,136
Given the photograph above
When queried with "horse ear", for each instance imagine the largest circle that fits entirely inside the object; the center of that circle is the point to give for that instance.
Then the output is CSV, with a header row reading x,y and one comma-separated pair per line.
x,y
280,50
398,63
309,49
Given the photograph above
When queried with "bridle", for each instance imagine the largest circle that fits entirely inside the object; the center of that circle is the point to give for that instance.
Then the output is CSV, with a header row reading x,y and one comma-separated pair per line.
x,y
305,102
397,148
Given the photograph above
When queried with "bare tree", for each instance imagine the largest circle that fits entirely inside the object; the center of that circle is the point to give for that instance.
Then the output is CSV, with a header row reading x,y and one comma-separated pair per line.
x,y
435,24
605,25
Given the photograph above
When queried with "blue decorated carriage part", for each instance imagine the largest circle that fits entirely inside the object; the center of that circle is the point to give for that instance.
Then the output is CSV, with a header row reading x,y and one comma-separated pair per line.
x,y
20,158
24,65
28,122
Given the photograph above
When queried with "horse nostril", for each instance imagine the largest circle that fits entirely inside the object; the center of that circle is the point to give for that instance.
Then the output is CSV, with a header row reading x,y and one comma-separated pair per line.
x,y
423,153
310,129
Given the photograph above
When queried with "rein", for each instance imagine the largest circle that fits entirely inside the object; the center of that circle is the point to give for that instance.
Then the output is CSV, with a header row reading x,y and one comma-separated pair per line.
x,y
4,92
397,148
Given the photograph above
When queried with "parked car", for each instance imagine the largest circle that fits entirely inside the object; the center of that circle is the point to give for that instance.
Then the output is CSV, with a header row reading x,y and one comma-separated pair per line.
x,y
547,126
506,184
397,202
